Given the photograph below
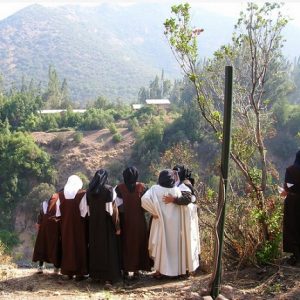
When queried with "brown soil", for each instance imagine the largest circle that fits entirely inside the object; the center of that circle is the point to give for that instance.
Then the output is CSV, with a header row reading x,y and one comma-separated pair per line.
x,y
96,150
272,282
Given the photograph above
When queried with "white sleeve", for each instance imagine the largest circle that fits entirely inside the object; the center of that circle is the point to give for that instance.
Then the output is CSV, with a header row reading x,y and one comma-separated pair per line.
x,y
184,188
83,207
177,192
109,208
45,206
114,196
118,201
57,214
147,202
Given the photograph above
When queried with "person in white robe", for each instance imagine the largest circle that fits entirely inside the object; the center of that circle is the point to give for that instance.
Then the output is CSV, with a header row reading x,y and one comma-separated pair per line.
x,y
189,214
168,245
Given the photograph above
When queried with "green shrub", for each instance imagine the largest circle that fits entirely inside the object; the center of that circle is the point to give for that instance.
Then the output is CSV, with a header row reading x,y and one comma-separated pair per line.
x,y
62,129
117,137
95,119
133,124
8,239
22,165
115,169
38,194
78,136
112,128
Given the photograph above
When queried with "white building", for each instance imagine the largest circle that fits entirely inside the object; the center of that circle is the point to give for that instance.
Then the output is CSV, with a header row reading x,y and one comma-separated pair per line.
x,y
54,111
158,101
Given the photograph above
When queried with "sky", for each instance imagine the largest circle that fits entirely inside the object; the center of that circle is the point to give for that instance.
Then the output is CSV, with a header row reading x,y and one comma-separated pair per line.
x,y
223,7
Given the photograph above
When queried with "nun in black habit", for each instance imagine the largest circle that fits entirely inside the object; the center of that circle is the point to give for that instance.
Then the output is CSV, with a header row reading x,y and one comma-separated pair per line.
x,y
104,259
291,215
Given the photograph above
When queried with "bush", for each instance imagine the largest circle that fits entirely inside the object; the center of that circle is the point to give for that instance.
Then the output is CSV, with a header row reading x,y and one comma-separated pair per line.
x,y
8,240
78,136
22,165
4,258
117,137
62,129
133,124
33,122
70,119
39,193
115,169
95,119
49,121
57,143
112,128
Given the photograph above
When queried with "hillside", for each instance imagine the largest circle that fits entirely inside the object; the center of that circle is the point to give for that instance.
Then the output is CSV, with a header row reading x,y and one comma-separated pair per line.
x,y
96,150
108,50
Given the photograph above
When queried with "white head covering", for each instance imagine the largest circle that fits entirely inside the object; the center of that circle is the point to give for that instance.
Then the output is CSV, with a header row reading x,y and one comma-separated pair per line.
x,y
73,185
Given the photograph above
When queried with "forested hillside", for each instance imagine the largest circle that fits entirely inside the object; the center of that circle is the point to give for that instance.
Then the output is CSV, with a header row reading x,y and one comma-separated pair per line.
x,y
108,50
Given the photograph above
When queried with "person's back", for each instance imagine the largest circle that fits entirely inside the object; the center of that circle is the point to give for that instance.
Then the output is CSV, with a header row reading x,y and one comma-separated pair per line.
x,y
165,234
104,262
73,229
48,242
134,232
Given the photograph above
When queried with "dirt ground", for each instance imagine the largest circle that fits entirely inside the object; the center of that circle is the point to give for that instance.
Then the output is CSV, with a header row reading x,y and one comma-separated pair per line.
x,y
271,282
96,149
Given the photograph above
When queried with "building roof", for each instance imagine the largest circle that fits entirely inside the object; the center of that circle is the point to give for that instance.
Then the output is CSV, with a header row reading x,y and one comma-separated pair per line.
x,y
158,101
137,106
53,111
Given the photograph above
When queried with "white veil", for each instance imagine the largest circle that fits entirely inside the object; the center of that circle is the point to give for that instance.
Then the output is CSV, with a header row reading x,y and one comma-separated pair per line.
x,y
73,185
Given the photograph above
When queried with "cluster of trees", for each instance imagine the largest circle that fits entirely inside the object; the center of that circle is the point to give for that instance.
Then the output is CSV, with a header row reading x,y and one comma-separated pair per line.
x,y
23,165
158,88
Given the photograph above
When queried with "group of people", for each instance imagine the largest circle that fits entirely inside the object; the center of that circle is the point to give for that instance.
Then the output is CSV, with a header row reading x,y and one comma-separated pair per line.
x,y
104,233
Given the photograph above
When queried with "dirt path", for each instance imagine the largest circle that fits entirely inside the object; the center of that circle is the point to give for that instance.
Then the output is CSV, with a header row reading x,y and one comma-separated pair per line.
x,y
274,282
27,284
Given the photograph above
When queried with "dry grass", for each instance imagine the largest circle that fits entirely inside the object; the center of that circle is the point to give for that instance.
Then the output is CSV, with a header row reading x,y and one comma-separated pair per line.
x,y
4,258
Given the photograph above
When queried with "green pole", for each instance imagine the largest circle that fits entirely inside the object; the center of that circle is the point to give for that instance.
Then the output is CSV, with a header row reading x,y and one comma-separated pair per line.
x,y
216,281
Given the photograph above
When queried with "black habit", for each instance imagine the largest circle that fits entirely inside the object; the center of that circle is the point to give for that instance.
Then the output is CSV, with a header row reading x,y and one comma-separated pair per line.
x,y
104,261
291,217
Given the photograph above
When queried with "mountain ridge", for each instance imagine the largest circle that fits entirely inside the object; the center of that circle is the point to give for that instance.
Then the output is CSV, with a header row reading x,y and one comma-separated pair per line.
x,y
107,50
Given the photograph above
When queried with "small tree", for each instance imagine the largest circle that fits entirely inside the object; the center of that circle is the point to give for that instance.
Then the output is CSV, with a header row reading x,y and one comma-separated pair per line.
x,y
256,45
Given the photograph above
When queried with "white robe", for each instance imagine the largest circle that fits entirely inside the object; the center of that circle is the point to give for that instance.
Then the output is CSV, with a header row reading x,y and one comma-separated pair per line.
x,y
169,243
191,236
